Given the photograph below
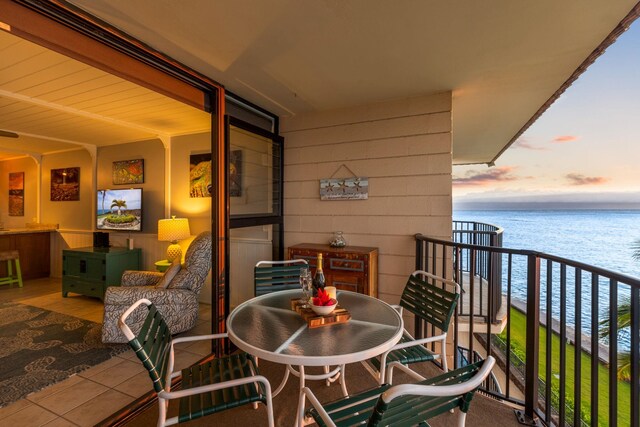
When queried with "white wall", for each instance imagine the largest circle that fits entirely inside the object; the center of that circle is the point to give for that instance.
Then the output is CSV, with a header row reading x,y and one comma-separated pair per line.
x,y
404,147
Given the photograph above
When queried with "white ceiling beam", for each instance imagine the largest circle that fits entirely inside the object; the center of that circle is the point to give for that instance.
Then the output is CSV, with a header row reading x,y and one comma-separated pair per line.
x,y
76,112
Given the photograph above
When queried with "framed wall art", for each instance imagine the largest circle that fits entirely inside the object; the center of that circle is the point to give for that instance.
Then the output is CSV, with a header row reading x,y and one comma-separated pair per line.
x,y
199,175
235,173
65,184
128,172
16,194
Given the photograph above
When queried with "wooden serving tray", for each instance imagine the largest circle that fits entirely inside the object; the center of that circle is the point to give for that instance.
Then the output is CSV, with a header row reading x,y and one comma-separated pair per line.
x,y
338,315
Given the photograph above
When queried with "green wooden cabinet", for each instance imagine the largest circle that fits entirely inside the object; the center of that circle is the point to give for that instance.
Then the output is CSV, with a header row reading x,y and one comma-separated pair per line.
x,y
89,271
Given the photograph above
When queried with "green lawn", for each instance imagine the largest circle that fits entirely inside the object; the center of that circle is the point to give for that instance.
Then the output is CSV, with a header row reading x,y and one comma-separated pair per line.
x,y
518,340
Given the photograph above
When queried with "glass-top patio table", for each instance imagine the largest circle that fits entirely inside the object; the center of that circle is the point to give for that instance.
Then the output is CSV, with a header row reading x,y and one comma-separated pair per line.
x,y
266,327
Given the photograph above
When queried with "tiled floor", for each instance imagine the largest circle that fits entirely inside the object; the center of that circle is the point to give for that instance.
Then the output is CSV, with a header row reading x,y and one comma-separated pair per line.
x,y
91,396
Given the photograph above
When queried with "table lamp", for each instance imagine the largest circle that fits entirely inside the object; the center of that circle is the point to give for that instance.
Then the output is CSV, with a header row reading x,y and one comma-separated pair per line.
x,y
172,230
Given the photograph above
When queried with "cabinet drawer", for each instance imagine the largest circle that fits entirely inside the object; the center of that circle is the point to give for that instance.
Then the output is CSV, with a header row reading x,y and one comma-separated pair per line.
x,y
347,283
335,263
84,287
346,264
311,259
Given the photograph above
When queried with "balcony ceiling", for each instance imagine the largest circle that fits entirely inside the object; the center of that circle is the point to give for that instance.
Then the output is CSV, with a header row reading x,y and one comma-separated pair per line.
x,y
56,103
502,59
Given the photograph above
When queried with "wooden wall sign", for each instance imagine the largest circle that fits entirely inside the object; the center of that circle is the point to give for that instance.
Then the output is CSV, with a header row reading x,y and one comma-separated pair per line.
x,y
344,189
355,188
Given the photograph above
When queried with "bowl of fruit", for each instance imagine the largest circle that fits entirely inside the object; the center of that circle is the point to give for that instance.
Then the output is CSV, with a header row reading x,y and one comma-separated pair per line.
x,y
323,304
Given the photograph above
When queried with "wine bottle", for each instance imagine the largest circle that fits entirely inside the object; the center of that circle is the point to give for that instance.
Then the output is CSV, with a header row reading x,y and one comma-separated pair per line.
x,y
318,279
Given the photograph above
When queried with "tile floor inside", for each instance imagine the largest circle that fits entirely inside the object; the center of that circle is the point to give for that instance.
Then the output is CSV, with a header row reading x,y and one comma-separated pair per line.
x,y
90,396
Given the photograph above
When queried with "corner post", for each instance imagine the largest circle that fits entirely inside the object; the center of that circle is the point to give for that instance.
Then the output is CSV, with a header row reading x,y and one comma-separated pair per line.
x,y
529,416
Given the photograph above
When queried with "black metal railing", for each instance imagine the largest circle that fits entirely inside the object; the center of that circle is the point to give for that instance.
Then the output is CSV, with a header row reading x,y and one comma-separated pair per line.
x,y
485,265
571,373
492,383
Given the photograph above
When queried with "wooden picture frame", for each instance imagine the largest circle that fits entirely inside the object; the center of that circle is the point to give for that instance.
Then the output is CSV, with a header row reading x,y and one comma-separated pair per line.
x,y
65,184
16,194
128,172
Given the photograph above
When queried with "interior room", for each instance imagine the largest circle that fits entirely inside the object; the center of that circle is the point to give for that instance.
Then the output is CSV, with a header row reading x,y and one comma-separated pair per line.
x,y
75,142
59,113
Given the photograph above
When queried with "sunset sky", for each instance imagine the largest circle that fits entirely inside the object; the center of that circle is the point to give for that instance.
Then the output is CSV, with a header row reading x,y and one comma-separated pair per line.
x,y
585,146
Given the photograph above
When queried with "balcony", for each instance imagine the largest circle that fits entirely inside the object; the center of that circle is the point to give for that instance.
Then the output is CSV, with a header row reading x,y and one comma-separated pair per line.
x,y
523,292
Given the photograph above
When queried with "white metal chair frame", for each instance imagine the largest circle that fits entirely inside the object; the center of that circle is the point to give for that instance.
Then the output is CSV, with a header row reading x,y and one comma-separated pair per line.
x,y
404,390
166,395
422,341
288,261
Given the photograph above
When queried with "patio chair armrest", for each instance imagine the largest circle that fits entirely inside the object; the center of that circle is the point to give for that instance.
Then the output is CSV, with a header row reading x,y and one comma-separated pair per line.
x,y
419,342
441,390
451,283
217,386
307,393
174,341
199,338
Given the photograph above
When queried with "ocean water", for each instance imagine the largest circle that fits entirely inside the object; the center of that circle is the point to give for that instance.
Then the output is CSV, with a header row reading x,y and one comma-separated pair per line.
x,y
602,238
598,237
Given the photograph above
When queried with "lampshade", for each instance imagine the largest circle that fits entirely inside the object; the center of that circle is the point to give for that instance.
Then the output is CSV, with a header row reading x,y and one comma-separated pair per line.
x,y
174,229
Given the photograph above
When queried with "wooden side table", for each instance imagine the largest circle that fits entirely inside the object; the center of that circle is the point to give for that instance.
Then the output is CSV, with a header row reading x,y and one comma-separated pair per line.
x,y
352,268
162,265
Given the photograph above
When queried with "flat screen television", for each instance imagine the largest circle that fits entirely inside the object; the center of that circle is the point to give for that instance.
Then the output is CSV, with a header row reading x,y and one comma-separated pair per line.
x,y
120,210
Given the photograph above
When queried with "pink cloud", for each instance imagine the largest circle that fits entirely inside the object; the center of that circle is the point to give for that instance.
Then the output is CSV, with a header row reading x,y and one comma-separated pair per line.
x,y
564,138
477,178
579,179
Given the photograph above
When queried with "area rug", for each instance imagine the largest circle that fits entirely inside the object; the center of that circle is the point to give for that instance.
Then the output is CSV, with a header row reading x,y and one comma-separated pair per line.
x,y
39,348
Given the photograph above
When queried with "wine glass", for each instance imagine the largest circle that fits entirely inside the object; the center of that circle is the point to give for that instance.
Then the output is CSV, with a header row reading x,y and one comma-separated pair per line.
x,y
306,282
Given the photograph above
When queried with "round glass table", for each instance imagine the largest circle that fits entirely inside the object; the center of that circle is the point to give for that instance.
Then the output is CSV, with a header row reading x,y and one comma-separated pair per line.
x,y
268,328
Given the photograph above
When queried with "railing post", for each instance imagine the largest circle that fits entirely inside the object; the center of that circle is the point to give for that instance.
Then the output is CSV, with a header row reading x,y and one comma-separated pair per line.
x,y
419,253
529,416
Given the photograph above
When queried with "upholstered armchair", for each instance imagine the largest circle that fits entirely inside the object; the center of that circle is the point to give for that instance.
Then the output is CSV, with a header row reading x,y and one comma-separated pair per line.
x,y
176,298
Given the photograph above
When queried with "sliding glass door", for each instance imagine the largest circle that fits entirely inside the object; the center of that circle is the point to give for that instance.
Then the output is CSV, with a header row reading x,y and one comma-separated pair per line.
x,y
255,204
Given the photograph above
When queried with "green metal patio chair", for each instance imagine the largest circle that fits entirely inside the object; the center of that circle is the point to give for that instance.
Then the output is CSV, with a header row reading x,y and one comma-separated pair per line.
x,y
402,405
207,388
272,276
434,305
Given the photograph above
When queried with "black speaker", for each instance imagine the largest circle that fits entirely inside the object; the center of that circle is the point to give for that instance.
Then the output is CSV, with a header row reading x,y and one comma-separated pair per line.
x,y
100,240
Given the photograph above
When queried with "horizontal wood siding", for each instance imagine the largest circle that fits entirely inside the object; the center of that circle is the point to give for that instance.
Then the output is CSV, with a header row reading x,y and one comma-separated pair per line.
x,y
404,147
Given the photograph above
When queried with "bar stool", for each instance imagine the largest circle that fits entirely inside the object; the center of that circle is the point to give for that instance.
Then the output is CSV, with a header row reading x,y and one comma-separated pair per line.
x,y
11,278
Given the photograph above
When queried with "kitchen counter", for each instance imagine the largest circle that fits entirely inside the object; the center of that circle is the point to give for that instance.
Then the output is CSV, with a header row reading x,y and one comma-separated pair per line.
x,y
33,244
7,231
